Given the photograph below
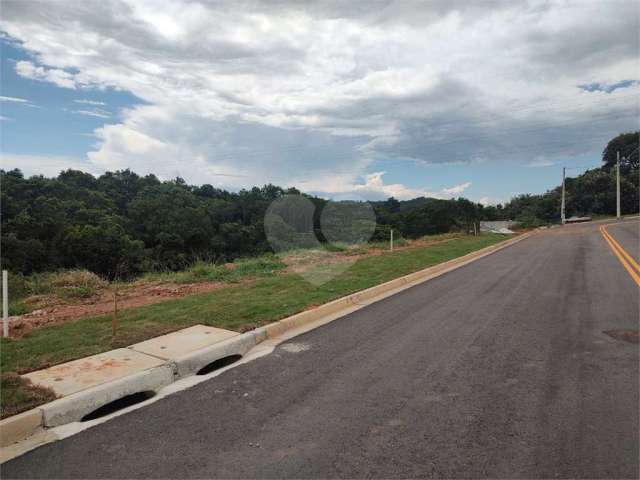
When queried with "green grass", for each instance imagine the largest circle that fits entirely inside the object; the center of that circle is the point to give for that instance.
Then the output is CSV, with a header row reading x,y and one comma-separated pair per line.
x,y
237,307
263,266
18,308
18,395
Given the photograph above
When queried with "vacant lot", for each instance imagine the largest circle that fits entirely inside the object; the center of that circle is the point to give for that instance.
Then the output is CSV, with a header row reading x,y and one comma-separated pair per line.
x,y
240,307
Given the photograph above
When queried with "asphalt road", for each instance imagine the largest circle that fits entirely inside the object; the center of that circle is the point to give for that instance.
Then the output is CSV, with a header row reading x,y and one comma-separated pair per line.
x,y
626,234
497,369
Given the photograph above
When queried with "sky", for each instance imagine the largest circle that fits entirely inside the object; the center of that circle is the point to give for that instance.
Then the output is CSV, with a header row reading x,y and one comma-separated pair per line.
x,y
442,98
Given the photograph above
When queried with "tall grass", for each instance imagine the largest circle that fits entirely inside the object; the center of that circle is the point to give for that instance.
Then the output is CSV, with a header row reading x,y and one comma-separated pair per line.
x,y
203,271
66,285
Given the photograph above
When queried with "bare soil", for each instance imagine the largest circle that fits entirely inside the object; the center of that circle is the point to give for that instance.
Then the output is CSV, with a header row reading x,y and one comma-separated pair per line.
x,y
51,310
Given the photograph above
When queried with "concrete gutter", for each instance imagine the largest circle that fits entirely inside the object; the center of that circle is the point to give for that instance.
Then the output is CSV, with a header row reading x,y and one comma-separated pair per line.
x,y
190,363
20,426
73,407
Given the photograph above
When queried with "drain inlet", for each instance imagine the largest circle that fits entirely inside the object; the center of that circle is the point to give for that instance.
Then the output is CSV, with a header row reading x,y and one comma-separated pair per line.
x,y
118,404
218,364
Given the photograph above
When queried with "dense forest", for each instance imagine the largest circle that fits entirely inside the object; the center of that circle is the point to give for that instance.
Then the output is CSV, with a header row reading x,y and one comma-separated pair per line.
x,y
122,224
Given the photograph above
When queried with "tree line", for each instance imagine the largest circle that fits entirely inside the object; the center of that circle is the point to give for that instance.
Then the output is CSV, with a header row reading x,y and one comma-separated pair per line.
x,y
592,193
121,223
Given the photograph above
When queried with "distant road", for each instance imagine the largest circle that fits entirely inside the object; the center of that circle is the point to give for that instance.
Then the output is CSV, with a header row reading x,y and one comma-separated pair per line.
x,y
499,369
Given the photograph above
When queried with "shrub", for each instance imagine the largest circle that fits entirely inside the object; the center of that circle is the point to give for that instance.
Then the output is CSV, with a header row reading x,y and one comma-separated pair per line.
x,y
65,284
76,284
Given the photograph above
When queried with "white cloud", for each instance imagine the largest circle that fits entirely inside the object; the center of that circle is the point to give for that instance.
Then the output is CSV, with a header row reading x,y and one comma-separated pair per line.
x,y
316,94
540,163
90,102
369,186
49,166
59,77
13,99
374,184
93,113
457,189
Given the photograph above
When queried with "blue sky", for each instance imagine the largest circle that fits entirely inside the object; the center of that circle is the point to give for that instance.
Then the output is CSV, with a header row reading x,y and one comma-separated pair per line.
x,y
46,125
450,99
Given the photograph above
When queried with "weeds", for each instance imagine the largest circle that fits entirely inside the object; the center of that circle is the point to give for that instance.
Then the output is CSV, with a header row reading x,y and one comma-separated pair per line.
x,y
202,271
18,395
25,293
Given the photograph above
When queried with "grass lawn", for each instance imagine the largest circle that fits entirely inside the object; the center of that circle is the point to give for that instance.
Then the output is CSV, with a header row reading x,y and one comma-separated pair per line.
x,y
238,307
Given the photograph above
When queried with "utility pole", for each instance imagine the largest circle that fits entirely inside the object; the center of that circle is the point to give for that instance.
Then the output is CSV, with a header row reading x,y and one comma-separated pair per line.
x,y
618,187
562,215
391,241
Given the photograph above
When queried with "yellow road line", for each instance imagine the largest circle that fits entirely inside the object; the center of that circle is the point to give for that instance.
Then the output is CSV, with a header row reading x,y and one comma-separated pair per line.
x,y
620,256
629,258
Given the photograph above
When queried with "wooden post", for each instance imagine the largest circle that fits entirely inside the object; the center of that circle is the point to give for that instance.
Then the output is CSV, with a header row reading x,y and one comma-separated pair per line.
x,y
114,319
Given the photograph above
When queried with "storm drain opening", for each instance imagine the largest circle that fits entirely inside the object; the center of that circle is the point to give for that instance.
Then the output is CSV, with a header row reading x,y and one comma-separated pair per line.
x,y
218,364
118,404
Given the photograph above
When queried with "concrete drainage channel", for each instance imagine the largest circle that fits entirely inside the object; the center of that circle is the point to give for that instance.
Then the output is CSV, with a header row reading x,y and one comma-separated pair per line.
x,y
140,372
218,364
119,404
134,398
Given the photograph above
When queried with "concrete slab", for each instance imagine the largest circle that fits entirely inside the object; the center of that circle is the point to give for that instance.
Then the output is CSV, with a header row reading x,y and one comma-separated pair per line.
x,y
72,377
183,342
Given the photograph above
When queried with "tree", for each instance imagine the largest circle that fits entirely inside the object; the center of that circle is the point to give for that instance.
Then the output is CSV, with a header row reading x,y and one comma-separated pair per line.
x,y
627,145
103,249
436,216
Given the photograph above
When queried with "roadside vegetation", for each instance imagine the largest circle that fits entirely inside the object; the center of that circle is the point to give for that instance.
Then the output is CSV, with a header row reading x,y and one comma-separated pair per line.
x,y
592,193
207,271
64,286
240,306
18,394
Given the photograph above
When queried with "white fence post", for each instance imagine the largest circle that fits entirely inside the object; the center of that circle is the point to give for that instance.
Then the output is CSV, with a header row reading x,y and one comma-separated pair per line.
x,y
5,303
391,242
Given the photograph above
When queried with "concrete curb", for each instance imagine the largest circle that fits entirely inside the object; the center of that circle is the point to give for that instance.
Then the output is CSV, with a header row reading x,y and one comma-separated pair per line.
x,y
19,426
73,407
239,345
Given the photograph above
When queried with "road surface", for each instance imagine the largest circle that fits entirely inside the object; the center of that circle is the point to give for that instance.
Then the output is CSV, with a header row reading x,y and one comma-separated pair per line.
x,y
497,369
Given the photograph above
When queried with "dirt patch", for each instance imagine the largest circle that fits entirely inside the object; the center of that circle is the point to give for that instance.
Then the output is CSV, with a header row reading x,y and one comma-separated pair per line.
x,y
51,310
300,262
626,335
